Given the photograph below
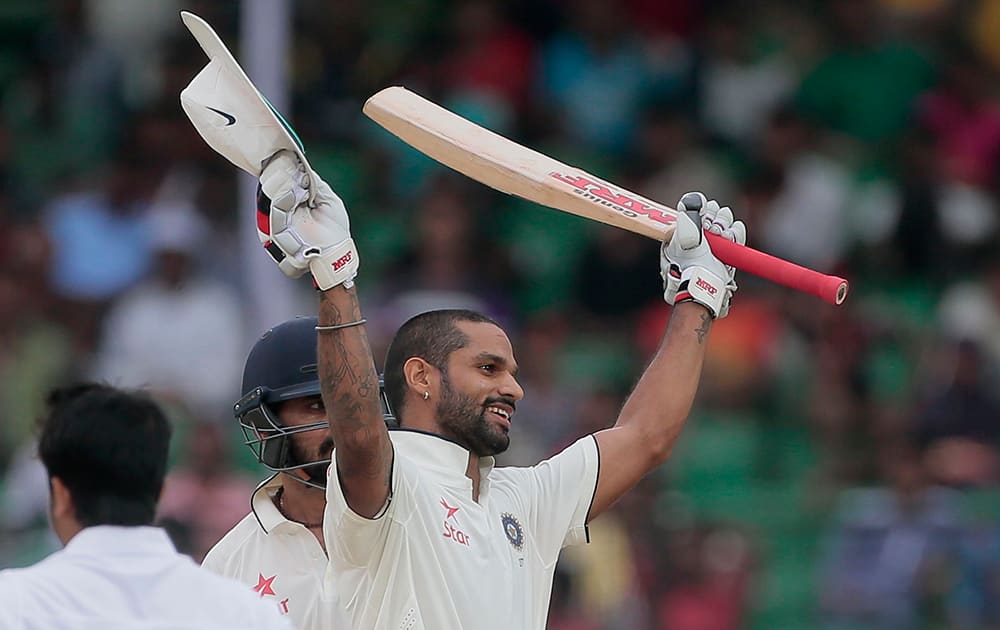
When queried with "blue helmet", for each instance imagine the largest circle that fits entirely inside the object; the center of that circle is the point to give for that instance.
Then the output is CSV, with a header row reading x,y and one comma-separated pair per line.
x,y
281,366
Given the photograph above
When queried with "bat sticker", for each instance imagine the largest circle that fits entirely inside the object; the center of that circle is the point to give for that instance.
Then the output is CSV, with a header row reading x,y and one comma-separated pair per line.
x,y
605,194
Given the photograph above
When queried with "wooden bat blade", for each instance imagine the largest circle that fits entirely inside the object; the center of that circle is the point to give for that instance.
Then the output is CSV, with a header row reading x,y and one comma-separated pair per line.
x,y
504,165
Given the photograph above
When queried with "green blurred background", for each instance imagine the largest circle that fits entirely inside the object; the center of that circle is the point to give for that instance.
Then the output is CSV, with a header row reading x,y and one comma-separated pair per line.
x,y
840,469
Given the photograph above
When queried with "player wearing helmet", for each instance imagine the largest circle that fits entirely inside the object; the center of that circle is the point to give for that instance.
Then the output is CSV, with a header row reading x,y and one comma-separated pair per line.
x,y
278,549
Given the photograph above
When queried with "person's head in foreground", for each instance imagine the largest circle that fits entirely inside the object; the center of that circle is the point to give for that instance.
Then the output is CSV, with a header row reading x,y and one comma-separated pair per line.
x,y
105,452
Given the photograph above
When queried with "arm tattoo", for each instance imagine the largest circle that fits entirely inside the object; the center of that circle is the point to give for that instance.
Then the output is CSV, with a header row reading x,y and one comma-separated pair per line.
x,y
349,385
706,324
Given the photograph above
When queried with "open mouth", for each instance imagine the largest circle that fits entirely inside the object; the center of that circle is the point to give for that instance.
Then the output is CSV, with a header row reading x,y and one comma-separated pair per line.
x,y
501,412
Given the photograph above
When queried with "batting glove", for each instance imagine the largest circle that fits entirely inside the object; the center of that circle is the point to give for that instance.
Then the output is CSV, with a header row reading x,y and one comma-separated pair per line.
x,y
690,271
301,237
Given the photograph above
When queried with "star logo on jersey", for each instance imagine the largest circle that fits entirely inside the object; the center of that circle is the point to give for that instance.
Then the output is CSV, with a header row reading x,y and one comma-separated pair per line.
x,y
451,510
264,585
512,528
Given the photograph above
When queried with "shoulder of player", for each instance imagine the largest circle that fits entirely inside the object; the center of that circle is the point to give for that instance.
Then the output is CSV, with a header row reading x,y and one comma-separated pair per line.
x,y
236,540
56,566
233,600
579,448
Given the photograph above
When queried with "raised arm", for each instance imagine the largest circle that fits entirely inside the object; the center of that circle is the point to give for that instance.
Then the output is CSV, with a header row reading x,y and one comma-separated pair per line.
x,y
700,288
304,226
350,391
315,236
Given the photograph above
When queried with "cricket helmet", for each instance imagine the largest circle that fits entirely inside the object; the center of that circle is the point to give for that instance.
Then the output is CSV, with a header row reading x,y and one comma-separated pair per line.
x,y
281,366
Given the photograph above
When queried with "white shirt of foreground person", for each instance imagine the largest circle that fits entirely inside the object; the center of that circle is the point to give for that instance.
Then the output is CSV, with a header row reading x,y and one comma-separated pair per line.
x,y
116,578
434,559
281,561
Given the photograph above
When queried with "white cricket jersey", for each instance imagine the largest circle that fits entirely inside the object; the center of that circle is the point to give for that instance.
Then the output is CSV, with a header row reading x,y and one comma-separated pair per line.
x,y
437,560
281,561
118,578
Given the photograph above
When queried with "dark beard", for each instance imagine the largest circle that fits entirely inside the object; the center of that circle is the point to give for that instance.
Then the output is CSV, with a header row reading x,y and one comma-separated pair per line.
x,y
463,419
316,472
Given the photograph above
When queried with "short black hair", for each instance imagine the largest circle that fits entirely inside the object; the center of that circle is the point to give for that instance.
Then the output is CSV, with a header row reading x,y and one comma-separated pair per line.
x,y
432,336
109,447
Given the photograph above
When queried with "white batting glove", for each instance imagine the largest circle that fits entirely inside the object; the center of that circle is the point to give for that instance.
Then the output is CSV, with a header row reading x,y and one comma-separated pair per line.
x,y
690,271
301,237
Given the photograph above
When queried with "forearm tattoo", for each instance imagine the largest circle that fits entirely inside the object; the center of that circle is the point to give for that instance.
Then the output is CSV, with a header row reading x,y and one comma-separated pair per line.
x,y
702,331
348,382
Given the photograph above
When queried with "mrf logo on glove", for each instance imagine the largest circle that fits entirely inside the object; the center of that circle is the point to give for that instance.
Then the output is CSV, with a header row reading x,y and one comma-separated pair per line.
x,y
342,261
706,286
703,288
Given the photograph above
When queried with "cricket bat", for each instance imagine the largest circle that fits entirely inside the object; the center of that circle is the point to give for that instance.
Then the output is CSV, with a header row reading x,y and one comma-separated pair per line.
x,y
504,165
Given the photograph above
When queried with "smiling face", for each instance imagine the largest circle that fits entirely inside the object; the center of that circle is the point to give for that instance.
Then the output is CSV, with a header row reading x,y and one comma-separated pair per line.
x,y
314,445
479,390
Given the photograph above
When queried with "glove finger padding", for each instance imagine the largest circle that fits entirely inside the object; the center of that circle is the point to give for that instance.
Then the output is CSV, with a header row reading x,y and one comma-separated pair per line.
x,y
687,235
282,173
315,237
721,221
709,210
286,264
737,233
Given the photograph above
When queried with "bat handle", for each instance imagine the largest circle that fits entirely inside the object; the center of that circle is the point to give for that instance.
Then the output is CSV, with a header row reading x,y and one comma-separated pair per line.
x,y
828,288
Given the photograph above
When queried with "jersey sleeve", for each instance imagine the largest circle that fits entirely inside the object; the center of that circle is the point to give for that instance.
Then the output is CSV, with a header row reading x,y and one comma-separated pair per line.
x,y
215,560
10,598
353,539
561,491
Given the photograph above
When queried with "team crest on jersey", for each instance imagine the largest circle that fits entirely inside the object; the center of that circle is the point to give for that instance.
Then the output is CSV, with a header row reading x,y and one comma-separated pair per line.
x,y
512,528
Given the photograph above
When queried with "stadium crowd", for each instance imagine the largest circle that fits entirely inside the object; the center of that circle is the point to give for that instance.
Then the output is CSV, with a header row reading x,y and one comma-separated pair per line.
x,y
841,467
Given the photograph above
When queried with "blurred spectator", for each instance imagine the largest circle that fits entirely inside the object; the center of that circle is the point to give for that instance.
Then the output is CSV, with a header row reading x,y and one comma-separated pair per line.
x,y
101,244
741,359
65,108
546,414
970,309
614,280
662,20
606,578
864,60
331,41
837,401
204,497
179,332
35,351
975,600
886,549
708,581
671,153
740,84
89,228
963,115
449,263
913,236
595,78
983,23
804,217
491,60
564,607
135,33
957,423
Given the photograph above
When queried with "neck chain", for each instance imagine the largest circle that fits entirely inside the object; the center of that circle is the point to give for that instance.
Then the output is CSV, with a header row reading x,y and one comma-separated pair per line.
x,y
279,502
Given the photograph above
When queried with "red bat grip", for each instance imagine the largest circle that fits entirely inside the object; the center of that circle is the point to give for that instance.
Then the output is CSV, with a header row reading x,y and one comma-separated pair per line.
x,y
828,288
